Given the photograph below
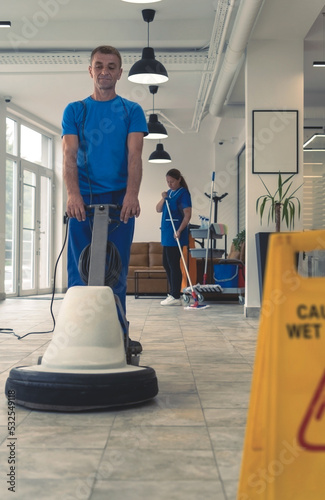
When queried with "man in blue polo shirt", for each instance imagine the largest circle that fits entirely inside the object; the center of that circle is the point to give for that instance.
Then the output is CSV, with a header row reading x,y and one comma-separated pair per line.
x,y
102,164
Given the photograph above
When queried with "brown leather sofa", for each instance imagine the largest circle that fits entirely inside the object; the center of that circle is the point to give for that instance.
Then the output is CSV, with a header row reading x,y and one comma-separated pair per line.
x,y
146,275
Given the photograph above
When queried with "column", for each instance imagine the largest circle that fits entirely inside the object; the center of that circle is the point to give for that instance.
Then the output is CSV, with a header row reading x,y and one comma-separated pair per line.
x,y
274,81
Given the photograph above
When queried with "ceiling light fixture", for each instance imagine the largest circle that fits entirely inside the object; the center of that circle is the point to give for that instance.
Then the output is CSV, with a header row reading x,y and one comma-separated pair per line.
x,y
321,64
148,70
141,1
159,155
319,143
156,129
5,24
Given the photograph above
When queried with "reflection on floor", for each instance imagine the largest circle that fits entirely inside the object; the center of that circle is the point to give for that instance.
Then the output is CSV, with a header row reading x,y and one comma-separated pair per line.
x,y
184,444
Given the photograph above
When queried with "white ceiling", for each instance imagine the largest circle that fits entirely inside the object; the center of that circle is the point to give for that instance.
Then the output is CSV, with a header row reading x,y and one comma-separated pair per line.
x,y
44,56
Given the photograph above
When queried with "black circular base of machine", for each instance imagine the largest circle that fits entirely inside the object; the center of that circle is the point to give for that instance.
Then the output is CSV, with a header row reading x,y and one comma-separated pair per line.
x,y
80,391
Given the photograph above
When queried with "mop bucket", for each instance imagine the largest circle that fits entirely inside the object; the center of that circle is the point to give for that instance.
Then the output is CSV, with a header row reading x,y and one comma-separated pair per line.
x,y
226,275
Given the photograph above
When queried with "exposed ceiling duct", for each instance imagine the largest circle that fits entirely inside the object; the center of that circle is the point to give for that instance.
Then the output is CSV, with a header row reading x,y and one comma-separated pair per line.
x,y
223,10
245,19
71,57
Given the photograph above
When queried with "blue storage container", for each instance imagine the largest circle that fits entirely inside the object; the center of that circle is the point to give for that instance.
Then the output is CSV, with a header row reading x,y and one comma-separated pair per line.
x,y
226,275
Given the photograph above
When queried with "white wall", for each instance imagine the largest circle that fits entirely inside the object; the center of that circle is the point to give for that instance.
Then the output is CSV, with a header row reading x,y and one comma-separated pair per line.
x,y
196,156
227,172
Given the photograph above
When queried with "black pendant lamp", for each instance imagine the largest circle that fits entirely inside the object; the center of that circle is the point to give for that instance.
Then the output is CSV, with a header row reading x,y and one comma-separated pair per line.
x,y
148,70
159,155
155,128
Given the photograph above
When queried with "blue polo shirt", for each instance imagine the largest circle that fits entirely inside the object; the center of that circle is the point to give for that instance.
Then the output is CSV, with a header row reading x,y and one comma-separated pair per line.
x,y
102,128
177,200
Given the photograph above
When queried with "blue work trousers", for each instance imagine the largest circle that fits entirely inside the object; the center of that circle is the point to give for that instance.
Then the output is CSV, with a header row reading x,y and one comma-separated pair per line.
x,y
119,233
171,263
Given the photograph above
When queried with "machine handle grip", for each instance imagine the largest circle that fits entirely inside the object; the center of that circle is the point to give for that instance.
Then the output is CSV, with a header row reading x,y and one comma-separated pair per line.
x,y
109,205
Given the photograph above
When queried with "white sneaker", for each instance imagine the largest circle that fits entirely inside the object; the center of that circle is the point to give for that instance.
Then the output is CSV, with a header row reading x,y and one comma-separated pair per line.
x,y
170,301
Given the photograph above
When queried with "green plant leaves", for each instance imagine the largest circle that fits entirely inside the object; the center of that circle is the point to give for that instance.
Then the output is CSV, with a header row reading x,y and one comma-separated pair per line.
x,y
239,239
282,197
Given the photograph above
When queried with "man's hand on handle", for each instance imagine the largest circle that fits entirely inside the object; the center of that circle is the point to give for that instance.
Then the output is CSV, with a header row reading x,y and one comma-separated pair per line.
x,y
130,207
76,207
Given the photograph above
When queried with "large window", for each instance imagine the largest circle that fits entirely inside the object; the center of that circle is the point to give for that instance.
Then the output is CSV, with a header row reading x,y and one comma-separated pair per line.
x,y
28,209
313,263
314,190
35,147
11,136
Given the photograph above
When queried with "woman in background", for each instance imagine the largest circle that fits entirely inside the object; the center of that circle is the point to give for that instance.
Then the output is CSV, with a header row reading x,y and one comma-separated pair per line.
x,y
179,200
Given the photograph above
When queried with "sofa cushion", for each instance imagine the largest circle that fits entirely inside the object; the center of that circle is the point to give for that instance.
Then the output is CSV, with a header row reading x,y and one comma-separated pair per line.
x,y
155,254
147,257
139,256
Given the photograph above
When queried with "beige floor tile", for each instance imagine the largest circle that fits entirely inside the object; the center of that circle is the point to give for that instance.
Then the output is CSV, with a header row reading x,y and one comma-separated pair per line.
x,y
154,437
161,465
162,490
184,444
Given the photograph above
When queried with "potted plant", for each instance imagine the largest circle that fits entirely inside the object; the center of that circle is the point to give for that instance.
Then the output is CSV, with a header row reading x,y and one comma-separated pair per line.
x,y
281,201
239,239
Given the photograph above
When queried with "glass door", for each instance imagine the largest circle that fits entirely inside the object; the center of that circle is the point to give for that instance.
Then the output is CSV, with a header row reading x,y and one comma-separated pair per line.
x,y
43,234
35,230
11,248
28,233
29,181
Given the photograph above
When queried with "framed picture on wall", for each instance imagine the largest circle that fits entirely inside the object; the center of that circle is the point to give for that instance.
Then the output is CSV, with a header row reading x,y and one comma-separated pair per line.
x,y
275,141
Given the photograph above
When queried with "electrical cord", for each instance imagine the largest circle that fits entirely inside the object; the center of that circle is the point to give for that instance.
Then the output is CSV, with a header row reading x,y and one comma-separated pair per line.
x,y
19,337
113,265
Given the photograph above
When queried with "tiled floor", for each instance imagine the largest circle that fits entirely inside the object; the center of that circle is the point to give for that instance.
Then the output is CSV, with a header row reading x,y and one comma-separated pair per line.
x,y
185,444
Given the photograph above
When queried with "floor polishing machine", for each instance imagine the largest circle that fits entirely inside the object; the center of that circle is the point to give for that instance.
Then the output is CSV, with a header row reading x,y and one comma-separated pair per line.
x,y
90,362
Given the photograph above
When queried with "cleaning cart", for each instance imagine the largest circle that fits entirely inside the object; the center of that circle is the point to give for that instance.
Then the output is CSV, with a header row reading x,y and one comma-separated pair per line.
x,y
221,275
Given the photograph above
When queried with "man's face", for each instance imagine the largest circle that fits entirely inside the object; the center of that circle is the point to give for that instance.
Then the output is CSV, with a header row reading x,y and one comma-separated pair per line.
x,y
105,70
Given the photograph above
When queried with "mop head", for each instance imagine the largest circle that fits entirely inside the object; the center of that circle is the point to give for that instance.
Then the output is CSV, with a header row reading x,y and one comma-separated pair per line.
x,y
195,306
199,307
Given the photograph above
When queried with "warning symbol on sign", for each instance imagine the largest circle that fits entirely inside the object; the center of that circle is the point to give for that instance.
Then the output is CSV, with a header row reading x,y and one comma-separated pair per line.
x,y
313,424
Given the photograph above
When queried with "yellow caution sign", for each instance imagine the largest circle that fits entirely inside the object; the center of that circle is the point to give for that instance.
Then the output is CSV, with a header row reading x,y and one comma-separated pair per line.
x,y
284,449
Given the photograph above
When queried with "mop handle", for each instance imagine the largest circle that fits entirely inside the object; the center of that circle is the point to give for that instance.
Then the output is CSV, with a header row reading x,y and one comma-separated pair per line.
x,y
208,242
179,246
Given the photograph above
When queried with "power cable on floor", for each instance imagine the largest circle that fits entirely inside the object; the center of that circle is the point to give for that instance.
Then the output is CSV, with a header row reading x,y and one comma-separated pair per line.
x,y
10,330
